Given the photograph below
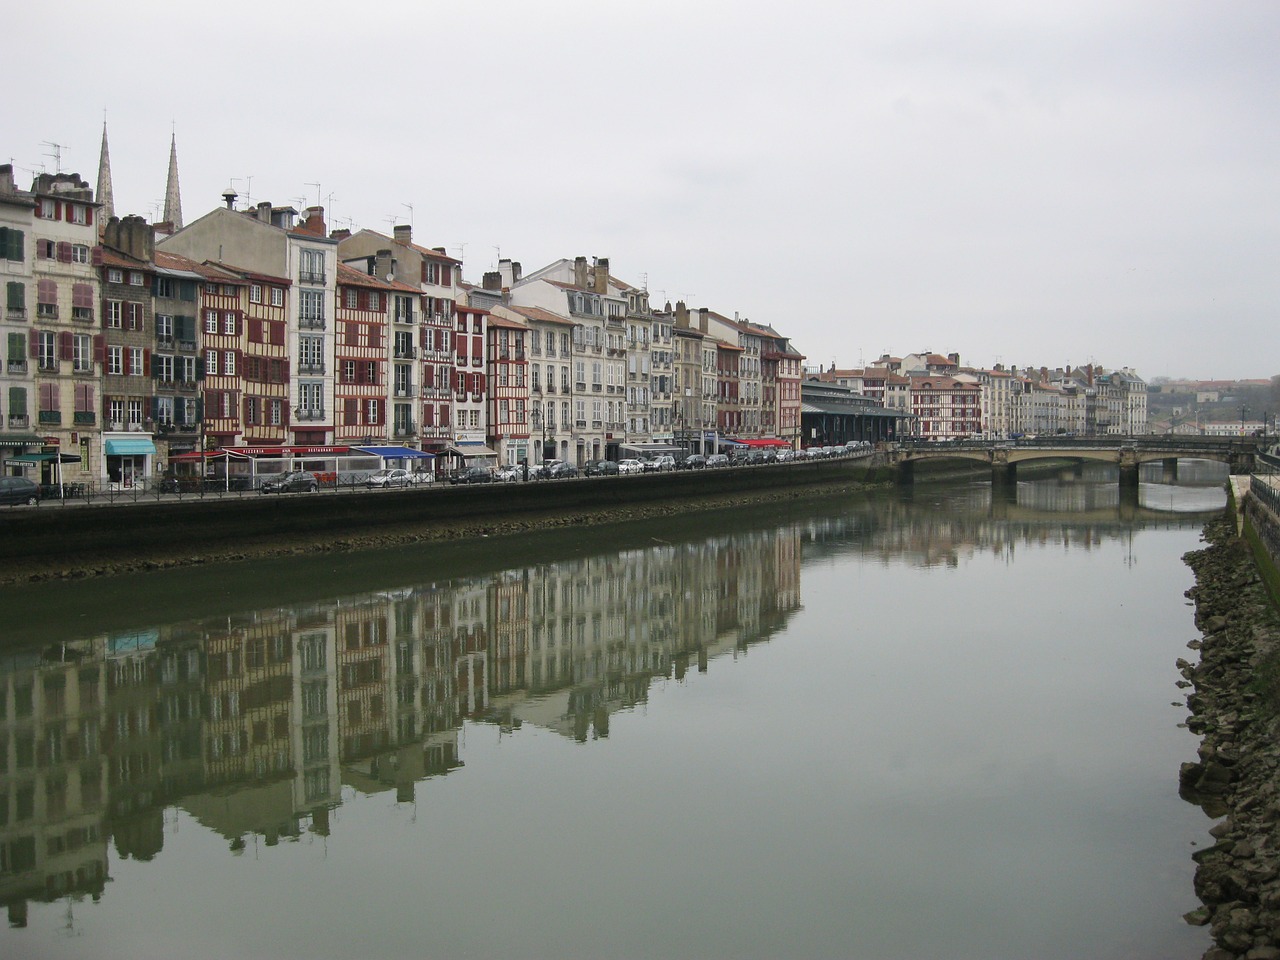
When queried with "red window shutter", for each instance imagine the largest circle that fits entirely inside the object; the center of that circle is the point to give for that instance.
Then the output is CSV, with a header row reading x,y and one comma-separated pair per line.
x,y
66,347
88,215
57,209
350,410
429,415
33,345
462,349
239,363
477,347
277,334
99,349
239,323
146,363
64,251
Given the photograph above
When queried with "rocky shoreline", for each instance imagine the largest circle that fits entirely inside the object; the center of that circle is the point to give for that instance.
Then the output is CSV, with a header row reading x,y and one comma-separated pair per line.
x,y
1234,698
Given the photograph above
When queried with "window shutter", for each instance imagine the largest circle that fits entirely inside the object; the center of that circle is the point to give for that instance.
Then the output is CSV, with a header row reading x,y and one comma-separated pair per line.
x,y
34,344
16,296
350,411
200,367
47,291
96,255
88,216
99,349
66,345
64,251
146,363
17,401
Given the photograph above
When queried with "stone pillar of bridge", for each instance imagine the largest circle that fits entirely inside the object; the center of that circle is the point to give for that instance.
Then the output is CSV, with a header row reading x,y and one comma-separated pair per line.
x,y
906,472
1129,503
1169,470
1003,473
1128,469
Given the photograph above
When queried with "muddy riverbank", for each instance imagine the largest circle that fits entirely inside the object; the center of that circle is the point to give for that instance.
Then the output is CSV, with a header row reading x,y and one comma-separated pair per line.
x,y
1233,695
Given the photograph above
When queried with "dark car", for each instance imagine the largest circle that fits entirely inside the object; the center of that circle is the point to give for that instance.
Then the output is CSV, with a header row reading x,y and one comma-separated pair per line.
x,y
18,490
601,468
561,470
695,461
295,482
472,475
718,460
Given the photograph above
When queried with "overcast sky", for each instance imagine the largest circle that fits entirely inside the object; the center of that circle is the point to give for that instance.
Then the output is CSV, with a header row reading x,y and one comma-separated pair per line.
x,y
1041,183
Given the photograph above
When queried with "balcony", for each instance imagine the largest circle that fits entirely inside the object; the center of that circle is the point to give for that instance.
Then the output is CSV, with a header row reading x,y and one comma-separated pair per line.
x,y
403,430
164,341
16,366
311,322
404,317
84,418
406,391
47,366
47,311
189,346
19,422
597,388
477,361
82,314
311,276
48,418
310,414
311,367
16,313
477,397
406,353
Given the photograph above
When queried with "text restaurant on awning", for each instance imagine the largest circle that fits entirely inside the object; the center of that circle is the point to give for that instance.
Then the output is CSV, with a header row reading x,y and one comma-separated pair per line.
x,y
765,442
396,453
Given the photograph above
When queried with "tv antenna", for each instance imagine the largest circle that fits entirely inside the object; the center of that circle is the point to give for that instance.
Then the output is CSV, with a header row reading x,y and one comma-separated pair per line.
x,y
409,207
461,247
317,186
57,154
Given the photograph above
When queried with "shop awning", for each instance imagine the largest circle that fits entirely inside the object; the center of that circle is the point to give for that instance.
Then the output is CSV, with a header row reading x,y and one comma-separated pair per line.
x,y
195,456
396,453
19,439
652,446
44,458
130,447
766,442
472,450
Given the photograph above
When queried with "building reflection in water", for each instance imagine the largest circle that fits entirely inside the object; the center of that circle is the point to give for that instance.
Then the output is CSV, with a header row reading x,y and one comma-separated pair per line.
x,y
255,723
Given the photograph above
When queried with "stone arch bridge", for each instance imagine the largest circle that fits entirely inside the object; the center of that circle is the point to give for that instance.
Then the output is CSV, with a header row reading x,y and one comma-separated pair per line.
x,y
1127,453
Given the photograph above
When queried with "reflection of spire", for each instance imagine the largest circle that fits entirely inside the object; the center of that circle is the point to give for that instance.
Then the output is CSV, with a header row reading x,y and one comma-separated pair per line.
x,y
104,196
172,198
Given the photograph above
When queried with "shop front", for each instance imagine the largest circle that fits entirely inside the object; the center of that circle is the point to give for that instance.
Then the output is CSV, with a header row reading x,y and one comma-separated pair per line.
x,y
129,459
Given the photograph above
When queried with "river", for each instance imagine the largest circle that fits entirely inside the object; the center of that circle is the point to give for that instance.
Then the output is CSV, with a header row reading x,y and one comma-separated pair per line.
x,y
933,723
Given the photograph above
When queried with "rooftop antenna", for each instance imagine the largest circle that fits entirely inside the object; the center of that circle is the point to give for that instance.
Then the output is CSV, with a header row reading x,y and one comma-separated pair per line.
x,y
248,189
409,207
317,186
301,201
644,282
391,221
328,204
462,250
57,154
499,252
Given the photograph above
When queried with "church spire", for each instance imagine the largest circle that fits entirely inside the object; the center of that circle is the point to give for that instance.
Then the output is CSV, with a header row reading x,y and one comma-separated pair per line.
x,y
172,197
104,195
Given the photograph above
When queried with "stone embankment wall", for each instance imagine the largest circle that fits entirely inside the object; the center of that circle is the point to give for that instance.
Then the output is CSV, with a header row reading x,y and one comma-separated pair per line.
x,y
1235,708
53,540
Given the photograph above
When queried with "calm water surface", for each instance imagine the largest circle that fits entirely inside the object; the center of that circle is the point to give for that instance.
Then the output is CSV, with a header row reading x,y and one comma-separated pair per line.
x,y
931,724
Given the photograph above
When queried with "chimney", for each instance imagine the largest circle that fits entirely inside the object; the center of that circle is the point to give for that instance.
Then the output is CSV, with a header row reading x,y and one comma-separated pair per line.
x,y
7,185
403,233
340,234
682,315
702,319
384,266
131,236
602,275
580,272
954,358
314,222
492,280
511,272
264,211
229,197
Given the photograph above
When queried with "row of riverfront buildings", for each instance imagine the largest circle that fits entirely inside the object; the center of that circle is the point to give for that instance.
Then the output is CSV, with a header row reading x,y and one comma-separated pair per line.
x,y
256,328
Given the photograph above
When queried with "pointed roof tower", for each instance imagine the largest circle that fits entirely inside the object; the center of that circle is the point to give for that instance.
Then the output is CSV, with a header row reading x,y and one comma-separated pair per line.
x,y
104,195
172,196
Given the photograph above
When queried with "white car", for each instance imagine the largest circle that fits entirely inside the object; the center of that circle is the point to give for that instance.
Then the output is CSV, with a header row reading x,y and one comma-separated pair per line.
x,y
390,477
630,466
508,474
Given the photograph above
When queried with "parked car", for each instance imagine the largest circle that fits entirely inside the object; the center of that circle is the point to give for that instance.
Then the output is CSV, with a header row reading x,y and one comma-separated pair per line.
x,y
472,475
601,468
560,470
786,455
18,490
717,460
630,466
543,471
694,461
295,482
390,477
508,474
659,464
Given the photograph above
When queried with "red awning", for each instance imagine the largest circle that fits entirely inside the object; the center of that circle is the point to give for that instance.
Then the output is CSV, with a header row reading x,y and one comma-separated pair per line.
x,y
765,442
196,456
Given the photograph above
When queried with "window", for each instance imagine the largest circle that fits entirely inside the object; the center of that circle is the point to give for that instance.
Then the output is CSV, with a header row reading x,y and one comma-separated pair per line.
x,y
47,350
229,323
162,407
133,314
311,307
277,297
115,360
229,363
164,328
311,400
11,243
375,300
135,411
48,210
211,321
16,298
255,293
135,362
311,266
77,213
164,288
82,353
79,253
311,354
136,279
162,368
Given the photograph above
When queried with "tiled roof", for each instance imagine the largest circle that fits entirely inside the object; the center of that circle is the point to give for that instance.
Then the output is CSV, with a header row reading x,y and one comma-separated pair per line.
x,y
351,277
543,316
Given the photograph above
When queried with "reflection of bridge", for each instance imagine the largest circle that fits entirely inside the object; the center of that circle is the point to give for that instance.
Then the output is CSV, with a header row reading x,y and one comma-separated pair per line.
x,y
1128,453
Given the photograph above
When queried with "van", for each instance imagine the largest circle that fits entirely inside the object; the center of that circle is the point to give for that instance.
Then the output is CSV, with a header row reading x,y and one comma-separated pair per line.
x,y
18,490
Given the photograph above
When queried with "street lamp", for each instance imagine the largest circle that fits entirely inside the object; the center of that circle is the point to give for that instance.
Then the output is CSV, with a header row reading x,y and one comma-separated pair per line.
x,y
540,421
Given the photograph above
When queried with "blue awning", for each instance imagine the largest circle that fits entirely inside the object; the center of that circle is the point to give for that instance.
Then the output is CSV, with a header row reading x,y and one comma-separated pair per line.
x,y
130,447
396,453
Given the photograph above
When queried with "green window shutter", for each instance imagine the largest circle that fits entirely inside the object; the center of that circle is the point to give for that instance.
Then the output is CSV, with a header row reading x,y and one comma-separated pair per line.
x,y
17,401
17,295
186,290
17,347
199,368
14,251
